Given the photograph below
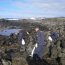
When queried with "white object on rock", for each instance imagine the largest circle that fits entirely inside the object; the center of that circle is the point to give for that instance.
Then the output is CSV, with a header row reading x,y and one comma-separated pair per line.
x,y
49,38
23,42
35,46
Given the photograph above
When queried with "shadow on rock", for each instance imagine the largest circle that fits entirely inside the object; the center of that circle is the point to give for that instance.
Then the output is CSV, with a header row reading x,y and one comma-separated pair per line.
x,y
35,60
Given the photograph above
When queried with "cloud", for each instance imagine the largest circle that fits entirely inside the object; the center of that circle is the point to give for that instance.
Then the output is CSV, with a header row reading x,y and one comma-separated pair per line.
x,y
39,7
34,8
50,6
40,4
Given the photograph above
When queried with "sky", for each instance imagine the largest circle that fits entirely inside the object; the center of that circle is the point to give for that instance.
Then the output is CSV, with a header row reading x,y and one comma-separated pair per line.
x,y
32,8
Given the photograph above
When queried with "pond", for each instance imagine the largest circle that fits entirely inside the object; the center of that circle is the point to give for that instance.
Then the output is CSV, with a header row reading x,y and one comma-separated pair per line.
x,y
7,32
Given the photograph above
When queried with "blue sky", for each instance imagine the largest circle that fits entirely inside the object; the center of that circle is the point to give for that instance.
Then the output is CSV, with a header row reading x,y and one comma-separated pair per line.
x,y
31,8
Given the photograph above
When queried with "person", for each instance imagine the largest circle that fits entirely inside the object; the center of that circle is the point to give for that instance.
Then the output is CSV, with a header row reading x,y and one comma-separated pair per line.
x,y
40,44
54,36
21,40
62,54
38,51
54,47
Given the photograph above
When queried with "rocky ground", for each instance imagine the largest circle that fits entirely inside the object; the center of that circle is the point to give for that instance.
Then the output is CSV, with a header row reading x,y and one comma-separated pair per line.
x,y
12,54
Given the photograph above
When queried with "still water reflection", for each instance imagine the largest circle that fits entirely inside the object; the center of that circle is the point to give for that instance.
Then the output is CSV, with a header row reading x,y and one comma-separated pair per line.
x,y
7,32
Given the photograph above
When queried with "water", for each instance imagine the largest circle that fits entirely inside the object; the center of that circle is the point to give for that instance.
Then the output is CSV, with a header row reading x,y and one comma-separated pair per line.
x,y
7,32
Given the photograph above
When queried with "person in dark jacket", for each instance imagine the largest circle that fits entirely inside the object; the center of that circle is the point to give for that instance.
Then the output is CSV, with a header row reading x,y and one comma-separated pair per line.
x,y
54,36
40,44
21,40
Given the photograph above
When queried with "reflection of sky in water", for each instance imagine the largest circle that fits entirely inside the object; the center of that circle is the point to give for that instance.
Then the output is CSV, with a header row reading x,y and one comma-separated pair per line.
x,y
7,32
